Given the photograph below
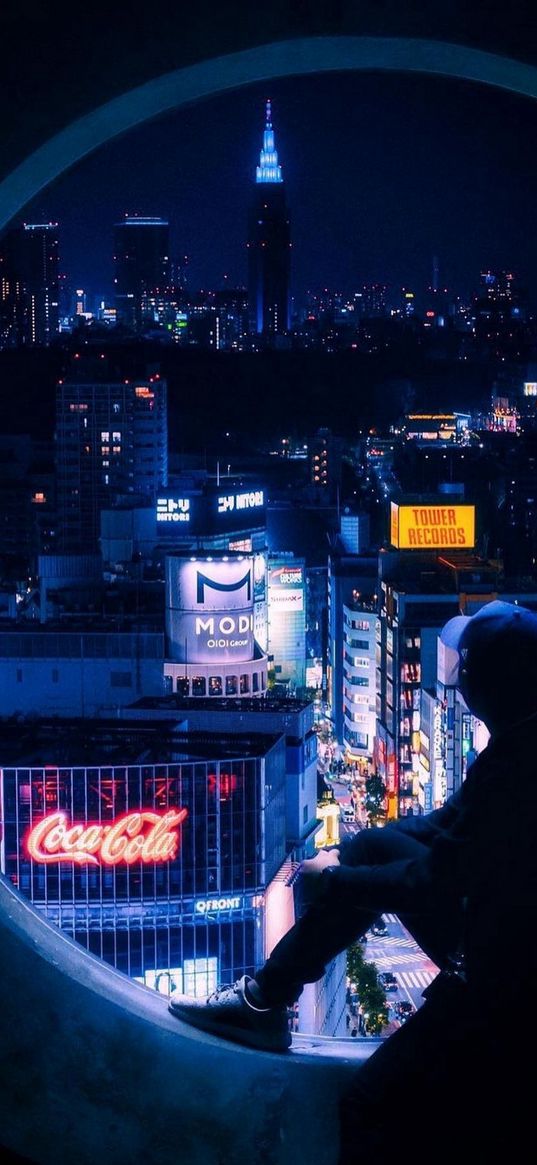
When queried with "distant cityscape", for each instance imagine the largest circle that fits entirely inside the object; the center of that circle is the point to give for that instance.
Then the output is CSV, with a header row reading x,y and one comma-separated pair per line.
x,y
153,298
200,637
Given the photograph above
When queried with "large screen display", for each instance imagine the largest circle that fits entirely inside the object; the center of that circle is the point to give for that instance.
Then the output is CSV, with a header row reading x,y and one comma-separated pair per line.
x,y
210,609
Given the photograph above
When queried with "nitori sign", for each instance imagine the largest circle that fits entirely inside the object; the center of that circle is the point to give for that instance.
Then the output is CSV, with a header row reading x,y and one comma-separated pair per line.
x,y
251,500
173,509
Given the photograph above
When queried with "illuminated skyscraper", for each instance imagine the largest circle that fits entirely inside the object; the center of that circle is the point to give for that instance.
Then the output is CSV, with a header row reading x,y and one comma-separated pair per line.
x,y
269,243
29,289
142,267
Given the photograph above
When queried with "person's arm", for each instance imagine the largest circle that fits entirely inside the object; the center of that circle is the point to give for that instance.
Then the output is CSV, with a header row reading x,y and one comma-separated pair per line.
x,y
406,886
427,828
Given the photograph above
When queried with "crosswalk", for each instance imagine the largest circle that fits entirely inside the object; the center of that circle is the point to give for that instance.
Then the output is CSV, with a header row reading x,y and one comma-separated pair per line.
x,y
400,954
419,979
399,943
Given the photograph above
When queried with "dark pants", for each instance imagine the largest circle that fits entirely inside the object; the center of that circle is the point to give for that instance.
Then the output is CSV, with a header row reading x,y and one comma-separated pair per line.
x,y
431,1062
323,931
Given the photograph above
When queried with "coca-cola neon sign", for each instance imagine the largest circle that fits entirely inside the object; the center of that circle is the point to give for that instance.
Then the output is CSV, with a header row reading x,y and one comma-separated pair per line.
x,y
144,836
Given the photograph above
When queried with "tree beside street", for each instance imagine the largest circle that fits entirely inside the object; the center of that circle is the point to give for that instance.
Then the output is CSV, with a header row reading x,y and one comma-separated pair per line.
x,y
370,992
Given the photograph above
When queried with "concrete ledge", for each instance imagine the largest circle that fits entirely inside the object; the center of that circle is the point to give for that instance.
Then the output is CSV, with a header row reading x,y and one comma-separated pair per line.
x,y
95,1069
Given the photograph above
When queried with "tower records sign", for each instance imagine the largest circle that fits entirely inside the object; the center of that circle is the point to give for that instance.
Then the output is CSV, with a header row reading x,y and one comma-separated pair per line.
x,y
432,527
210,609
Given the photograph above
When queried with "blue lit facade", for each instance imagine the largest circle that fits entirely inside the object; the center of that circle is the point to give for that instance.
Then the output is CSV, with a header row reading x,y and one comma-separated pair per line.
x,y
269,244
268,169
189,922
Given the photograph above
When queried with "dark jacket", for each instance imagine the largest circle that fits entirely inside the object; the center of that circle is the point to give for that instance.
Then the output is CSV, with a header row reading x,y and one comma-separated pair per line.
x,y
481,859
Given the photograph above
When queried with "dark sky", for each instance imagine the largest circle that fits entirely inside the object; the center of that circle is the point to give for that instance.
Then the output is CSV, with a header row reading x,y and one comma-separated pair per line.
x,y
382,172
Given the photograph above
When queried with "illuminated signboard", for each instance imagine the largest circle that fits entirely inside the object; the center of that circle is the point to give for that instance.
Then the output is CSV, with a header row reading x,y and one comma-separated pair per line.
x,y
173,509
530,388
286,588
432,527
233,902
205,907
251,500
210,609
144,836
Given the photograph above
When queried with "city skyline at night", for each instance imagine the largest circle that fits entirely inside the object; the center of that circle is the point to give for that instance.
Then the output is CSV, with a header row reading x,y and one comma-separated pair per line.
x,y
383,174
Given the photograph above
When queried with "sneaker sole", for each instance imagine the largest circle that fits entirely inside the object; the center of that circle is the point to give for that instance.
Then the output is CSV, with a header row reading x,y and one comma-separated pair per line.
x,y
252,1039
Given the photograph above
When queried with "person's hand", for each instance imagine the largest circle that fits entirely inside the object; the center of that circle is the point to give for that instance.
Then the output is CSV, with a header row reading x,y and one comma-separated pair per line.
x,y
311,870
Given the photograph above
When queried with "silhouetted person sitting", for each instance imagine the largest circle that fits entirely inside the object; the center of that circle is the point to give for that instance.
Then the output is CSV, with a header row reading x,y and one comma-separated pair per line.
x,y
463,881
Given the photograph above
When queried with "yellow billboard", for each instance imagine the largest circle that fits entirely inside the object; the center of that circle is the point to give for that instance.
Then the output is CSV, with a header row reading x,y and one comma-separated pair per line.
x,y
432,526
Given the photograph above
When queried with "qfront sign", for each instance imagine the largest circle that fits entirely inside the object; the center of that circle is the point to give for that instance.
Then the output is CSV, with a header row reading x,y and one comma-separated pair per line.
x,y
432,527
146,836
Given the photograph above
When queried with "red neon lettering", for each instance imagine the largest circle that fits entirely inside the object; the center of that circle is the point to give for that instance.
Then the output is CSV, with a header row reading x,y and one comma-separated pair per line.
x,y
144,836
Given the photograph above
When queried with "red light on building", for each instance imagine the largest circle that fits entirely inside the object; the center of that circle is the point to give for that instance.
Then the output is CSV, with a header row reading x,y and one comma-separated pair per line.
x,y
143,836
228,785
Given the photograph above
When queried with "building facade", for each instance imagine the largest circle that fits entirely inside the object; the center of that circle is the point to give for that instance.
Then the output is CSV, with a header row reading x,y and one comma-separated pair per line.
x,y
29,285
142,269
269,244
287,620
292,718
352,603
77,672
156,852
210,610
111,443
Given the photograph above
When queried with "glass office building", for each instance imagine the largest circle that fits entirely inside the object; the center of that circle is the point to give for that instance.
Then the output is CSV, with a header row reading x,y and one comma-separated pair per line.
x,y
158,866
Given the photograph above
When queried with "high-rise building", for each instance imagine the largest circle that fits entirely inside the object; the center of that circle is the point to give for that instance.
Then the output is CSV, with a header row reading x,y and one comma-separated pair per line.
x,y
269,244
287,620
142,267
324,451
29,285
111,443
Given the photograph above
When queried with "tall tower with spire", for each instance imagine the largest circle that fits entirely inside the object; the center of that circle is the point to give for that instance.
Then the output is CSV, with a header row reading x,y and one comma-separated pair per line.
x,y
269,244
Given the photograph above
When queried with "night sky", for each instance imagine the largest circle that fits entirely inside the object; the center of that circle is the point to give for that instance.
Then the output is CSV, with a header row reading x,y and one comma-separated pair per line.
x,y
382,172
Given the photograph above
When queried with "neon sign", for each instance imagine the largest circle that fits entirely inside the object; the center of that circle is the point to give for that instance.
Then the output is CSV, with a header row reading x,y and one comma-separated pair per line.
x,y
173,509
246,501
143,836
203,907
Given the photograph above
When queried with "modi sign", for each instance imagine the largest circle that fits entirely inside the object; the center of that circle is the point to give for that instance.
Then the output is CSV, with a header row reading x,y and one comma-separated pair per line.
x,y
432,526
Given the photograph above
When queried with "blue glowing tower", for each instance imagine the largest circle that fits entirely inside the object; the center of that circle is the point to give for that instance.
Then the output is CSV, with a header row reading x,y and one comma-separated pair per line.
x,y
269,244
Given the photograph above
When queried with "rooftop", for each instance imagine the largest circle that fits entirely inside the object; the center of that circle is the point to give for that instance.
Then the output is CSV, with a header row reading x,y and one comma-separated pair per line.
x,y
80,742
265,704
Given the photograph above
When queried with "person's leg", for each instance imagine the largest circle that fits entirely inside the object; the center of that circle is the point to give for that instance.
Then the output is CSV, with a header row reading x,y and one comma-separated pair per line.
x,y
320,934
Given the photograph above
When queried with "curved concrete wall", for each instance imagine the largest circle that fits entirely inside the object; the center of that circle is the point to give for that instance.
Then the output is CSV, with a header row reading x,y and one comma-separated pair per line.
x,y
298,57
95,1069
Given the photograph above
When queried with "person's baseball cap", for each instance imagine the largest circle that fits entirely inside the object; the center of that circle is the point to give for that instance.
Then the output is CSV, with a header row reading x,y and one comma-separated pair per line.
x,y
496,627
